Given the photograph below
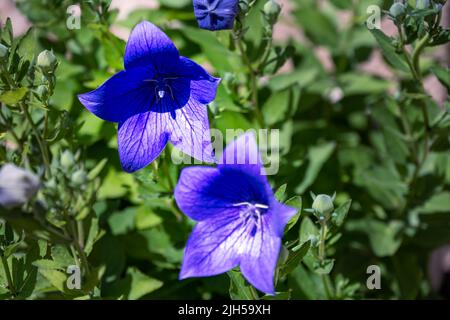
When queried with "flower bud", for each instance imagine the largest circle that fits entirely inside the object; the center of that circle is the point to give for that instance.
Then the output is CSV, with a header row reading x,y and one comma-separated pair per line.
x,y
3,51
272,10
17,186
397,10
243,7
46,60
422,4
323,204
79,177
67,160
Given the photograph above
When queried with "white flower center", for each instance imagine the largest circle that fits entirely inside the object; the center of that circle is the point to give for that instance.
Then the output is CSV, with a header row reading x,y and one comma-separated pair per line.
x,y
251,211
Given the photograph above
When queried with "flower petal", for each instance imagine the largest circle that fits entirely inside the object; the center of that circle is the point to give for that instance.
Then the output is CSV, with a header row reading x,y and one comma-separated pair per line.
x,y
121,96
203,85
207,193
212,247
243,154
189,131
148,45
282,214
142,138
216,14
260,255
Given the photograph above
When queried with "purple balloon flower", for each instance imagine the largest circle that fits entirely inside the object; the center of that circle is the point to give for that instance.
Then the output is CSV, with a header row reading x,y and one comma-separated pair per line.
x,y
216,14
239,220
159,97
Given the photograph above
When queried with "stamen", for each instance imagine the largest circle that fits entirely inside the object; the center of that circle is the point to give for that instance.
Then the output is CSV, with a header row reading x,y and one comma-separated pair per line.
x,y
253,210
161,93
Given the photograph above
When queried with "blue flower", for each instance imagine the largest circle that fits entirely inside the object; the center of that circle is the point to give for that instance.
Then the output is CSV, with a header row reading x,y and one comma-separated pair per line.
x,y
159,97
216,14
239,220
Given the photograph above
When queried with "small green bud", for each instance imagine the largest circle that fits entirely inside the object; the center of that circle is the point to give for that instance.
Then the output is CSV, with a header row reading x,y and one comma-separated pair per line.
x,y
397,10
244,8
272,10
79,177
46,60
3,51
67,160
323,204
42,91
422,4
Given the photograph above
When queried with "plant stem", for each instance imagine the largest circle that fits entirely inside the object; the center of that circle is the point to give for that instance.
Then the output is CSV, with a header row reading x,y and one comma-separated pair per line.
x,y
166,171
41,143
322,256
416,54
8,276
406,53
253,81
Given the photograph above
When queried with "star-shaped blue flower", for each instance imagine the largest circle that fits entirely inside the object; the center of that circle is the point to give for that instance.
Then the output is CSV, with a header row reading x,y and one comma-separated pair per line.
x,y
239,220
159,97
216,14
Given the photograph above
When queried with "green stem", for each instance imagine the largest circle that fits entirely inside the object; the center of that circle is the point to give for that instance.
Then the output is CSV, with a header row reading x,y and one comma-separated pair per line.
x,y
166,171
322,256
8,276
41,143
253,81
407,129
78,248
416,54
406,53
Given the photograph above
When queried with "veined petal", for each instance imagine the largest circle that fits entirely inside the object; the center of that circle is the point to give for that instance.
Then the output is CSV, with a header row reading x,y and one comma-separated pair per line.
x,y
203,85
207,193
243,154
142,138
192,193
213,246
260,255
148,45
189,131
121,96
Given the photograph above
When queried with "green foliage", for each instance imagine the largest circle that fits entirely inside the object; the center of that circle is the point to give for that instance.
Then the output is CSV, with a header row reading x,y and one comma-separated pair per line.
x,y
387,155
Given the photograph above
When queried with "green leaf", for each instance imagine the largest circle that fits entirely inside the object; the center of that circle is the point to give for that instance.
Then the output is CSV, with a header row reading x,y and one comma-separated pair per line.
x,y
295,257
122,222
92,237
384,237
62,256
308,231
97,169
409,275
240,289
279,194
48,264
437,203
141,284
338,217
395,59
275,108
12,97
294,202
443,74
317,156
56,278
323,267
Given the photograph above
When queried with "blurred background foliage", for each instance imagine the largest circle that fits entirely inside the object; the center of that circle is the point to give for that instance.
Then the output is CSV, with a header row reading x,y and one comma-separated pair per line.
x,y
342,128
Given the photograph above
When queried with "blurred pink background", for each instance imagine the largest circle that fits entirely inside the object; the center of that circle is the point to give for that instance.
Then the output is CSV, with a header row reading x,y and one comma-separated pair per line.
x,y
284,31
